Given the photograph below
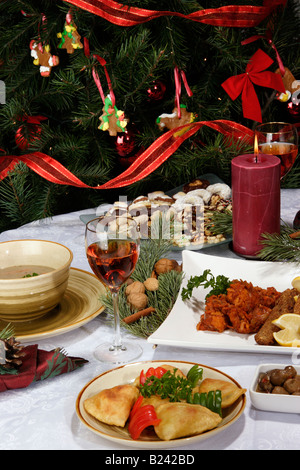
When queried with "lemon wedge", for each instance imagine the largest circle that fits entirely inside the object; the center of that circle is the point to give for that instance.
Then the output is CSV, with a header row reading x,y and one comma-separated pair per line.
x,y
296,283
289,333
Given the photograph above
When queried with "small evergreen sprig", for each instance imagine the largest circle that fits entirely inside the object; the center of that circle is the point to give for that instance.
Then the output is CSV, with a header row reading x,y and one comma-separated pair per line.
x,y
280,247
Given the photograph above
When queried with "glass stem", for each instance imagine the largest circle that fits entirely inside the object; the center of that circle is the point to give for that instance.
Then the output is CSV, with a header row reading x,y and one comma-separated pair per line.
x,y
117,339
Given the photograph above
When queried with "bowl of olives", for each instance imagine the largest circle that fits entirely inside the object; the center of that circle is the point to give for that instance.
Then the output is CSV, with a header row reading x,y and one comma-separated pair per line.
x,y
276,387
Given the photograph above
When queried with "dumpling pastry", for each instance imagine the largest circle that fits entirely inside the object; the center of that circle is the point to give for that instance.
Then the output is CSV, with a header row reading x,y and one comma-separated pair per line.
x,y
230,391
112,405
183,419
155,401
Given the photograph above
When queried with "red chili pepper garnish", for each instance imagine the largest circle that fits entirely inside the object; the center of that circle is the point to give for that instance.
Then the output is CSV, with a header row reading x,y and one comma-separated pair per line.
x,y
143,417
158,372
136,406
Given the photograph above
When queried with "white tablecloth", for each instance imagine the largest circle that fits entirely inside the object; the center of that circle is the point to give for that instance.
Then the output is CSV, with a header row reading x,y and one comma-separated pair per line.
x,y
43,415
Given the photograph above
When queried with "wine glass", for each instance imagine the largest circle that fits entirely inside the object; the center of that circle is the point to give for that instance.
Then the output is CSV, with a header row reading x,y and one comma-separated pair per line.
x,y
112,248
280,139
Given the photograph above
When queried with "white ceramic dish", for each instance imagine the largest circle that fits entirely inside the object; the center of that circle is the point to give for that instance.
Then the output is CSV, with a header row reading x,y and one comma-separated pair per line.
x,y
127,374
179,328
273,402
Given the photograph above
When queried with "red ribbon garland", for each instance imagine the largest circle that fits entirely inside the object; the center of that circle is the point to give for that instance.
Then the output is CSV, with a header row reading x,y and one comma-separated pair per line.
x,y
243,83
268,37
158,152
228,16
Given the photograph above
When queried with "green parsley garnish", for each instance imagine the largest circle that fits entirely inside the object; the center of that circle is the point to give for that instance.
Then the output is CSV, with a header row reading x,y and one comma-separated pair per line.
x,y
218,285
30,275
177,389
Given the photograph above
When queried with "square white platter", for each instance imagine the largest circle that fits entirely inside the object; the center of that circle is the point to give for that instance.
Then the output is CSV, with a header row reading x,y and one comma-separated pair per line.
x,y
179,328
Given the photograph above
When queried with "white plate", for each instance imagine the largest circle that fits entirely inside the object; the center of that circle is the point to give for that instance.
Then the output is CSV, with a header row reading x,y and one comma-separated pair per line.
x,y
127,374
273,402
179,328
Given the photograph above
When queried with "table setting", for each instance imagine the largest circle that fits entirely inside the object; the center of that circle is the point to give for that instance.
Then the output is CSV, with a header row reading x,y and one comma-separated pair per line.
x,y
100,335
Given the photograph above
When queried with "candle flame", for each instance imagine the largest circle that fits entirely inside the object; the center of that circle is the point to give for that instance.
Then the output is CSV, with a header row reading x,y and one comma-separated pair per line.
x,y
255,147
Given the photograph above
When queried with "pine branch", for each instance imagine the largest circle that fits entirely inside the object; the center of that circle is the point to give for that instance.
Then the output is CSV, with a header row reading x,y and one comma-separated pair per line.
x,y
280,247
162,300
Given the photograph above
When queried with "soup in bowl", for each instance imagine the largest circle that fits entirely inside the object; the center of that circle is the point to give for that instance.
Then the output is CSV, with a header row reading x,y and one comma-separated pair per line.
x,y
33,278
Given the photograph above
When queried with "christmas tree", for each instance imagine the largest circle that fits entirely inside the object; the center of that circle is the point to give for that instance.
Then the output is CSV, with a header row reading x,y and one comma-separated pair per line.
x,y
89,85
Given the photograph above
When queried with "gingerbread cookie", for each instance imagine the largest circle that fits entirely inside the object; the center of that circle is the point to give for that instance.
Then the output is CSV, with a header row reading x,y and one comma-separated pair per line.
x,y
70,38
172,121
290,83
196,184
43,58
112,119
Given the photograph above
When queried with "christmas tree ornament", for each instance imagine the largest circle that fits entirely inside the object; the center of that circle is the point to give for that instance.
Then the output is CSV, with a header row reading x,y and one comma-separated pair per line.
x,y
244,84
156,91
70,38
29,131
112,120
175,119
293,108
42,57
127,147
290,83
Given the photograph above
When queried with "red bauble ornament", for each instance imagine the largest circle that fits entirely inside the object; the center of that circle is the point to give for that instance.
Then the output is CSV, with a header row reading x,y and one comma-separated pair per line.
x,y
27,134
156,91
126,146
293,108
125,142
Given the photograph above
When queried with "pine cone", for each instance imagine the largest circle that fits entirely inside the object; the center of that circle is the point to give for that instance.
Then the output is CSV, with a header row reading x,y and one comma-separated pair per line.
x,y
13,354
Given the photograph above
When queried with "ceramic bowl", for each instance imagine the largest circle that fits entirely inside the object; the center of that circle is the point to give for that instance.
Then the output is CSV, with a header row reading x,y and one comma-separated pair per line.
x,y
273,402
45,265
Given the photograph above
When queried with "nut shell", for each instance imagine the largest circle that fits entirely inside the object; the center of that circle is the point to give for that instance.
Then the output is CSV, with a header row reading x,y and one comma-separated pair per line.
x,y
151,284
138,301
165,265
135,287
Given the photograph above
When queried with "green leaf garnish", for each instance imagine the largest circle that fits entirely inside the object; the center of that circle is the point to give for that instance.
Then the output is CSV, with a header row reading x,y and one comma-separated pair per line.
x,y
218,285
177,388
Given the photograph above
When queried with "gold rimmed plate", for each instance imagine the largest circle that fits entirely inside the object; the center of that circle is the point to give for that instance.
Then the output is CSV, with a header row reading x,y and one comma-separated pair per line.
x,y
127,374
79,305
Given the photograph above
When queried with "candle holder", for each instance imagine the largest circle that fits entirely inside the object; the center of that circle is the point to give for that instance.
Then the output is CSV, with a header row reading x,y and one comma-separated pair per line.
x,y
255,201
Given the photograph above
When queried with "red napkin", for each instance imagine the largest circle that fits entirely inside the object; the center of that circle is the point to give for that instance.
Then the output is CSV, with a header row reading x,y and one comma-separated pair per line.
x,y
39,365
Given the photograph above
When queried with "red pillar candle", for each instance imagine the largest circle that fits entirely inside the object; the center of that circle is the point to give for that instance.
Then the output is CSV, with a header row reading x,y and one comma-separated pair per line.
x,y
255,201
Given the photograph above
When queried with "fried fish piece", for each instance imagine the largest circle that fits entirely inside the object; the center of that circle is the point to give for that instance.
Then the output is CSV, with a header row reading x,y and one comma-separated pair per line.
x,y
285,304
230,391
184,419
112,405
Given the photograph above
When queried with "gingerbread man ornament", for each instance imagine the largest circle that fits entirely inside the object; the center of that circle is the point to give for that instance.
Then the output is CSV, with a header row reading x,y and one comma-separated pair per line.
x,y
43,57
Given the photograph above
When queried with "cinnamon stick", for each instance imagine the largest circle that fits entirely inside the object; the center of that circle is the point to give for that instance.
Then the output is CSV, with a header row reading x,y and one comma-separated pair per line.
x,y
295,234
136,316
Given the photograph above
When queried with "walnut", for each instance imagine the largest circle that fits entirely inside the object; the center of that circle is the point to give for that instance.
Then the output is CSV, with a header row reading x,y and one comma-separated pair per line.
x,y
135,287
151,284
138,301
165,265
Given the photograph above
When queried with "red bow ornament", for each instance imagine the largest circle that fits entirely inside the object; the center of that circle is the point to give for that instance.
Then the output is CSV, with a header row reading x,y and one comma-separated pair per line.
x,y
255,74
